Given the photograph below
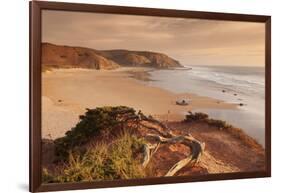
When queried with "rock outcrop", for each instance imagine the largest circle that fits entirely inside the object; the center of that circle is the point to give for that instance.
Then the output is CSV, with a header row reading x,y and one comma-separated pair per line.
x,y
56,56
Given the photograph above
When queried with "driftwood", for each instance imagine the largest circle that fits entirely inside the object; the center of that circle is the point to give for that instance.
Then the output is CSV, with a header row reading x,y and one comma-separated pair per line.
x,y
167,137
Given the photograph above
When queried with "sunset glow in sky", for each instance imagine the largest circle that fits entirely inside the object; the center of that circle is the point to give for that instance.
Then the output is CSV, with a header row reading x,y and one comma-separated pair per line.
x,y
191,41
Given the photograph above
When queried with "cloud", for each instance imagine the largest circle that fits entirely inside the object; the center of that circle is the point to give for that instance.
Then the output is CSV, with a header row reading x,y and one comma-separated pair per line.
x,y
188,40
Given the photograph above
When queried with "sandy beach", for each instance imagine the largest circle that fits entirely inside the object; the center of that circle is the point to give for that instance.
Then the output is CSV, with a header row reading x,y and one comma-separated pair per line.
x,y
68,92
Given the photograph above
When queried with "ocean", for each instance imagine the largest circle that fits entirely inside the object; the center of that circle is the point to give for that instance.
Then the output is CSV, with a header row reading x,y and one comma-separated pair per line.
x,y
231,84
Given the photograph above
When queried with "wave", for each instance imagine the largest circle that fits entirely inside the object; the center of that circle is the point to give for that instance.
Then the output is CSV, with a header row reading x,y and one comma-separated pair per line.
x,y
253,82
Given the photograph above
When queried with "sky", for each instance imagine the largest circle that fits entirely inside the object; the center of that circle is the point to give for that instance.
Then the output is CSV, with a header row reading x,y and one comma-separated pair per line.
x,y
190,41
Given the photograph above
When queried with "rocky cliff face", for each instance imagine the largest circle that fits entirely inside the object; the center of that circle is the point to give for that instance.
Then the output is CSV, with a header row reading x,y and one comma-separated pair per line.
x,y
140,58
56,56
69,57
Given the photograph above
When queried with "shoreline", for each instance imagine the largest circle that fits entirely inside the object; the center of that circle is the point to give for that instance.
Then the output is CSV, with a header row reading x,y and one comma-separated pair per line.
x,y
208,82
65,97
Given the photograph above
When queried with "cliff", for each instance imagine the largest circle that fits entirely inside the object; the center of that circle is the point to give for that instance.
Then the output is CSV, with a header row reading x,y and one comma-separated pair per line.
x,y
56,56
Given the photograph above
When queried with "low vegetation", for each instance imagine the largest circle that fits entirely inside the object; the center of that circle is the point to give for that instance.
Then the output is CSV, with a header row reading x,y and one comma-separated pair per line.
x,y
116,160
203,117
105,145
191,117
100,147
222,125
95,122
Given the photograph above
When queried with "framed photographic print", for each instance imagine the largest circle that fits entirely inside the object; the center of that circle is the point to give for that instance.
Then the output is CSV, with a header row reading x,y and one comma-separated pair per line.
x,y
123,96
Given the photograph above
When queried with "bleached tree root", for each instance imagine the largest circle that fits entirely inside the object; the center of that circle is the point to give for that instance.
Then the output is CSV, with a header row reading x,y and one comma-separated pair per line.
x,y
149,150
197,149
165,136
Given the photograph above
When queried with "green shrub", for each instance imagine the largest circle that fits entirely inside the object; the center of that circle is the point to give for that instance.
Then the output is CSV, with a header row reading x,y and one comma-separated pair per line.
x,y
202,117
218,123
94,122
197,116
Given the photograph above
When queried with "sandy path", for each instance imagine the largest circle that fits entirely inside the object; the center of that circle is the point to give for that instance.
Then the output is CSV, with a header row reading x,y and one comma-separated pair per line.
x,y
66,94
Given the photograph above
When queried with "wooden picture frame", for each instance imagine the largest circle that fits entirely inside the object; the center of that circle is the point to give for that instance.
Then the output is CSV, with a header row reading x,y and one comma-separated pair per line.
x,y
36,8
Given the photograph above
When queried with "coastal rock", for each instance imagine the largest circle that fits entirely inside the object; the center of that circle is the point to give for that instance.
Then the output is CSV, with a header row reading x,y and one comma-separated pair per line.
x,y
130,59
141,58
160,60
56,56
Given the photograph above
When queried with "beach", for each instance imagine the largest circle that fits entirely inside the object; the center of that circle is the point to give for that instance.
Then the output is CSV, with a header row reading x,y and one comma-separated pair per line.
x,y
66,93
232,84
172,97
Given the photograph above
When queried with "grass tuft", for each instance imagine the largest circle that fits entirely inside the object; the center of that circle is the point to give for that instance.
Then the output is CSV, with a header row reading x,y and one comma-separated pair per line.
x,y
102,162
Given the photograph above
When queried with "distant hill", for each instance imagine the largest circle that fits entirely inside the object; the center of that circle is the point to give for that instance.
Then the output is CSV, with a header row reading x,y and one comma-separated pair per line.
x,y
57,56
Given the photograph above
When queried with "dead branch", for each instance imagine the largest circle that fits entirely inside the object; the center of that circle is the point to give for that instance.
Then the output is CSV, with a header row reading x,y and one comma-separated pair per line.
x,y
167,137
162,134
